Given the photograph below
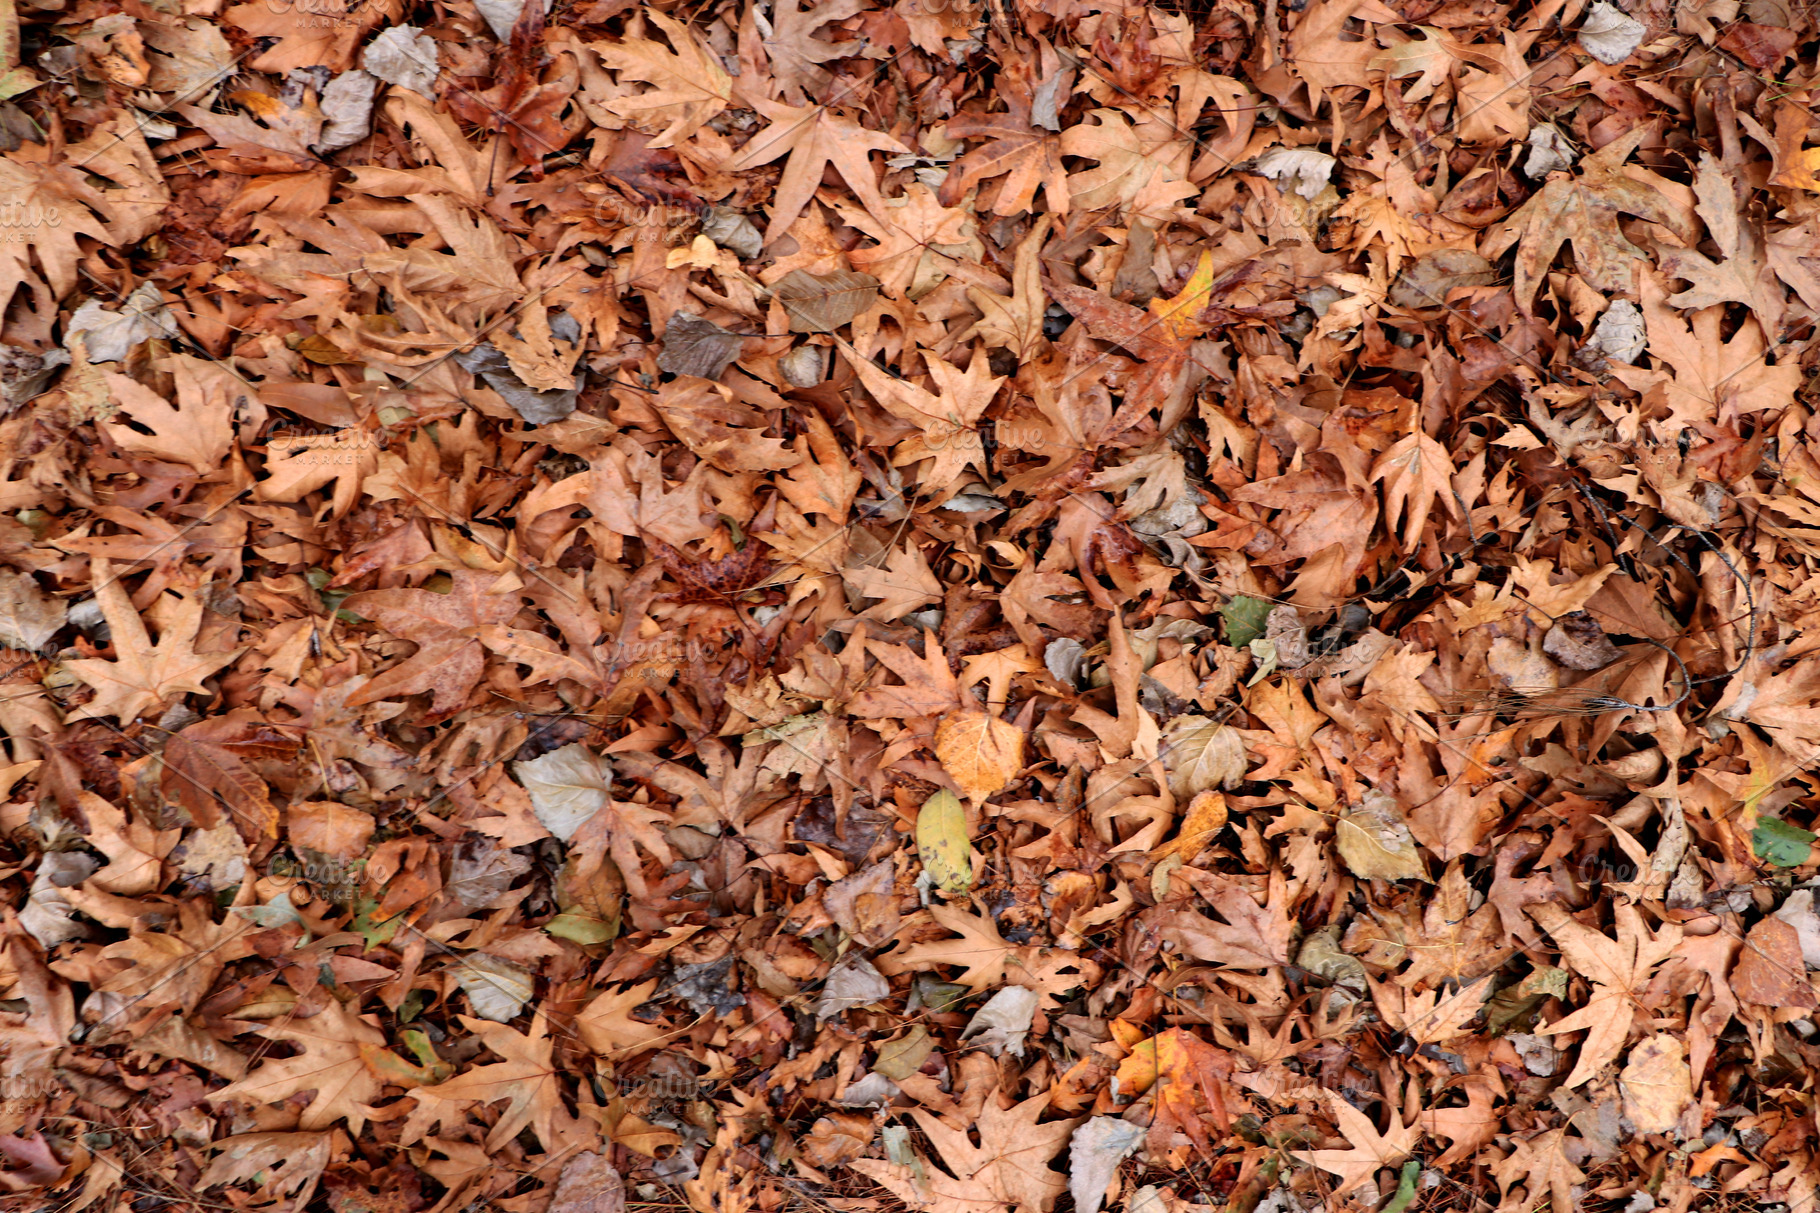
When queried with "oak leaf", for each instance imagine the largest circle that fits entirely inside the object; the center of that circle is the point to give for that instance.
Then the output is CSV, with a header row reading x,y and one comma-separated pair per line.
x,y
1252,936
1541,1162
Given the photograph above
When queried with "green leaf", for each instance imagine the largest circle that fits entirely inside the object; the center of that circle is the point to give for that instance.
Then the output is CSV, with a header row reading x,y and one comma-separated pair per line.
x,y
1244,620
375,933
277,912
1406,1187
899,1059
16,81
941,839
930,993
1782,844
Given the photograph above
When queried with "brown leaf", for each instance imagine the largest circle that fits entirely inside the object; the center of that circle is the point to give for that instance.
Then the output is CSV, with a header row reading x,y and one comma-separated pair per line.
x,y
1657,1084
449,658
1770,970
821,303
693,346
143,675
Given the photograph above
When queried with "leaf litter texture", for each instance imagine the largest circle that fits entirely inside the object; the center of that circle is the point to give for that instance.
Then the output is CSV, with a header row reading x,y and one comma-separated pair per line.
x,y
581,588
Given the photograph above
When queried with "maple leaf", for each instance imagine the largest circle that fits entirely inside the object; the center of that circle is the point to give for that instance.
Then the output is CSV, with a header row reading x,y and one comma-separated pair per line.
x,y
1443,937
1008,1170
796,56
904,583
1540,1161
919,241
947,419
1744,276
1618,969
59,202
1716,380
197,432
607,1026
1130,157
1162,336
1252,936
989,960
815,136
205,765
524,108
1027,156
527,1078
1468,1128
449,657
1428,1017
331,1063
143,675
1370,1150
928,686
177,967
1016,323
283,1163
1415,471
1182,1073
322,33
343,458
1584,209
729,435
689,85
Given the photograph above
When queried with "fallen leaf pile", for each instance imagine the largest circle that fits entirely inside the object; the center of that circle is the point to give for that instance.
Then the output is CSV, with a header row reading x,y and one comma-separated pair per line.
x,y
960,605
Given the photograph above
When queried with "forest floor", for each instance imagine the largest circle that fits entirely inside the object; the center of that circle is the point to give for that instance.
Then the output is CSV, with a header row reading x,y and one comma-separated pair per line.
x,y
992,606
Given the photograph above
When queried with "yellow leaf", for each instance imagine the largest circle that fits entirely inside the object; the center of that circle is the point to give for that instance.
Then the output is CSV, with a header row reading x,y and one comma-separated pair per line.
x,y
979,751
941,840
1180,313
1206,816
1803,171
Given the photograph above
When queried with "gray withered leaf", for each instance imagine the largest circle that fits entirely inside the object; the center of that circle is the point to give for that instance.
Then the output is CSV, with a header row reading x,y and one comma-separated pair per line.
x,y
821,303
693,346
29,617
1579,643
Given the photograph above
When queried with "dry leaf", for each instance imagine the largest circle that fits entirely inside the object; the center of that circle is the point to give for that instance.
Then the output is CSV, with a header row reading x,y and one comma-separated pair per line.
x,y
980,752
